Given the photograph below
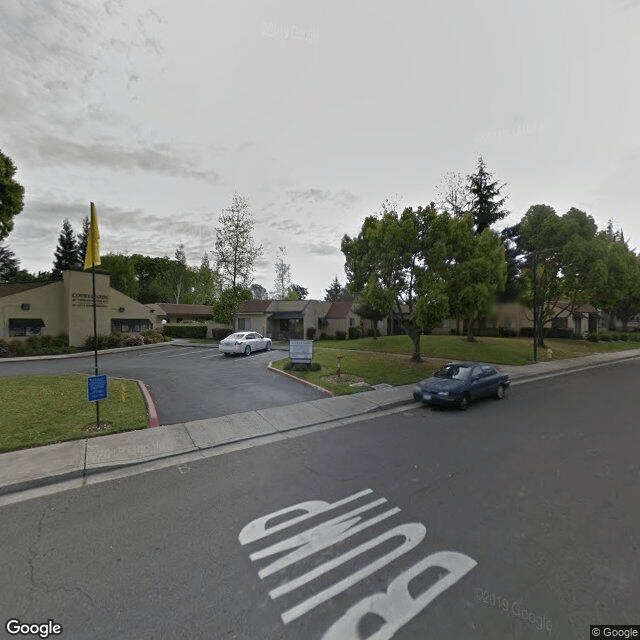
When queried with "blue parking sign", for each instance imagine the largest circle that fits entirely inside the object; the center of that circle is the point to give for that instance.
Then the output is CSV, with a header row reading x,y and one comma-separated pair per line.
x,y
97,388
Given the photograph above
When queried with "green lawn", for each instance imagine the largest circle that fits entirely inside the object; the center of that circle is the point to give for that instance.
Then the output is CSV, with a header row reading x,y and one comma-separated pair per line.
x,y
39,410
373,368
514,351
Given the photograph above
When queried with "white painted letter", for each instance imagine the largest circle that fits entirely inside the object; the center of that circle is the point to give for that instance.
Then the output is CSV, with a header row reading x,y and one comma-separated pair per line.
x,y
320,537
397,606
413,533
258,528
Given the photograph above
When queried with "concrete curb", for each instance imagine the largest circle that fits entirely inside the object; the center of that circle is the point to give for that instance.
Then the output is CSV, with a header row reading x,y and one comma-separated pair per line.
x,y
154,421
270,367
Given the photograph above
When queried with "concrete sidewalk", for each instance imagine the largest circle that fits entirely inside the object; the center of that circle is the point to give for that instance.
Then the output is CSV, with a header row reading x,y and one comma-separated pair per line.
x,y
41,466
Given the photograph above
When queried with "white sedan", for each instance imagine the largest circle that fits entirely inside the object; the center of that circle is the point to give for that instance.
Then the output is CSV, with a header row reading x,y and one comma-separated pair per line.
x,y
244,342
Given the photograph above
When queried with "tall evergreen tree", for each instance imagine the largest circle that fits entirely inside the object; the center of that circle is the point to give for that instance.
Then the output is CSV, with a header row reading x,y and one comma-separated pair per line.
x,y
333,292
8,264
486,201
82,238
66,254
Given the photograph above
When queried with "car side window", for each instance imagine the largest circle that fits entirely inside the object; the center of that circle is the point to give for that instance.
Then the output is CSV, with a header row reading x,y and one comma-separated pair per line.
x,y
488,371
476,373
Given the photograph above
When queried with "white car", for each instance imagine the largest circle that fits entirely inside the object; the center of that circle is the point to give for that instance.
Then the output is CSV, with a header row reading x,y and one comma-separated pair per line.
x,y
244,342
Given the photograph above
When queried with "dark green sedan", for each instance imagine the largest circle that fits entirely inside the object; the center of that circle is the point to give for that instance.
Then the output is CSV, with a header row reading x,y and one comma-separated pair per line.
x,y
458,383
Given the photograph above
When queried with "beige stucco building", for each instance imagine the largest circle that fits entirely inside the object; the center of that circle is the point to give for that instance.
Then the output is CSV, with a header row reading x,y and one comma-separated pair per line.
x,y
66,306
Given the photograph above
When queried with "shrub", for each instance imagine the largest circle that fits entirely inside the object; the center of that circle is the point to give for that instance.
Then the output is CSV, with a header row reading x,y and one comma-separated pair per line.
x,y
134,341
526,332
593,337
220,334
370,333
560,333
341,335
314,366
185,330
311,333
504,332
4,348
354,332
16,348
61,341
151,336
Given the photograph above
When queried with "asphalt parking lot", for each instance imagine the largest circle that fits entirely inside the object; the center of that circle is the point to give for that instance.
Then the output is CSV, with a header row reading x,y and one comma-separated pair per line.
x,y
187,383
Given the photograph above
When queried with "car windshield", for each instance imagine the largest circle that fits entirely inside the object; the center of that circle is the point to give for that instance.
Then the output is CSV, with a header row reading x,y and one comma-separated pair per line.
x,y
453,371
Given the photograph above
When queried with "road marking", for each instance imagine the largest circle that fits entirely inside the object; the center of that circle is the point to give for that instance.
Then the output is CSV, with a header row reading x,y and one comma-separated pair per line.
x,y
395,606
188,349
215,355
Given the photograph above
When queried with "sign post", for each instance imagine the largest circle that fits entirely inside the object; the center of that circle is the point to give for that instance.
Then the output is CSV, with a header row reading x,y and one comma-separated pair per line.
x,y
301,351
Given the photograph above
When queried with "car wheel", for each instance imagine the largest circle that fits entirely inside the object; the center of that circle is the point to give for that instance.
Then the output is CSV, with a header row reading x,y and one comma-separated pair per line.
x,y
269,345
464,402
226,355
500,392
247,350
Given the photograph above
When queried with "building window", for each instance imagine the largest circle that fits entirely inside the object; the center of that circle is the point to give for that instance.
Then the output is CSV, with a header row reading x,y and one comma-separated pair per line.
x,y
119,325
19,327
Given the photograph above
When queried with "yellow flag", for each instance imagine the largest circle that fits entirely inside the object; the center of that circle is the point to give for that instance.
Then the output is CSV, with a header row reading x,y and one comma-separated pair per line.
x,y
93,241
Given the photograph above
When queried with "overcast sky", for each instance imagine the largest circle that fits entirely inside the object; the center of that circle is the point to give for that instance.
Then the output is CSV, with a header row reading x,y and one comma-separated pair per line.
x,y
315,112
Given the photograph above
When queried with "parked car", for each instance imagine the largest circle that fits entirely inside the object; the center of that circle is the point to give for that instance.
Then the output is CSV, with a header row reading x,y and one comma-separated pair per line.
x,y
458,383
244,342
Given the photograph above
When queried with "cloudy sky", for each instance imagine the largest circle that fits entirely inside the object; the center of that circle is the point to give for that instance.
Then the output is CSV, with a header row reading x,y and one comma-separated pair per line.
x,y
159,111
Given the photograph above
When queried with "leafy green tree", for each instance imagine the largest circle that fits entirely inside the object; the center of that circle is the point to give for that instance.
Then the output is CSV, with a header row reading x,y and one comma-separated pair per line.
x,y
66,253
336,292
227,304
206,283
9,264
477,271
397,262
487,202
235,249
259,292
11,195
122,272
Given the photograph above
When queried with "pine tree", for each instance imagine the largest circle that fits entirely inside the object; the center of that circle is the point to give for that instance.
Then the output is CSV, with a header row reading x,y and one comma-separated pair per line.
x,y
332,294
486,203
82,238
66,254
8,264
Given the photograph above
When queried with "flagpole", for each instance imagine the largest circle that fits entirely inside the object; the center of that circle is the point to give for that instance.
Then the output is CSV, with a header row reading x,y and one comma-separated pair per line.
x,y
95,338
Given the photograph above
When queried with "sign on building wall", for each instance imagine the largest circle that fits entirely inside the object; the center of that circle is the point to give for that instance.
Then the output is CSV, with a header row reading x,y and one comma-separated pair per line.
x,y
86,300
301,351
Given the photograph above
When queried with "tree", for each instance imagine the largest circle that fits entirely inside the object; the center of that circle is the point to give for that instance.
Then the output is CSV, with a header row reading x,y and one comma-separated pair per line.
x,y
283,275
66,253
8,264
11,195
259,292
235,249
297,292
206,283
365,310
453,195
227,304
486,201
122,272
337,292
477,271
397,262
82,238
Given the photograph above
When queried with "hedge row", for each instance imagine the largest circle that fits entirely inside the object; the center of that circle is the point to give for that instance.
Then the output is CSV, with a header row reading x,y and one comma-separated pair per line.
x,y
116,340
36,346
185,331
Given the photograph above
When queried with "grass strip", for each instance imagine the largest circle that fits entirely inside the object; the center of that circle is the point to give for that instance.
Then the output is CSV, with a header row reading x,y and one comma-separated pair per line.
x,y
372,368
514,351
45,409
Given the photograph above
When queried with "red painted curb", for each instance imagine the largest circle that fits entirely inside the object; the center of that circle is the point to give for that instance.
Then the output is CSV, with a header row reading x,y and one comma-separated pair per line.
x,y
305,382
154,421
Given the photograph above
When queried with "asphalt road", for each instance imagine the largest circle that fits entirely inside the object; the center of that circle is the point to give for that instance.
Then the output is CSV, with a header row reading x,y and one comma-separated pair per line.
x,y
536,499
187,383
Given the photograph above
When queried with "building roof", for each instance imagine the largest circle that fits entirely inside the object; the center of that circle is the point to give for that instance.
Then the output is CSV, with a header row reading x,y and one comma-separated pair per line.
x,y
10,288
339,309
186,309
289,306
254,306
